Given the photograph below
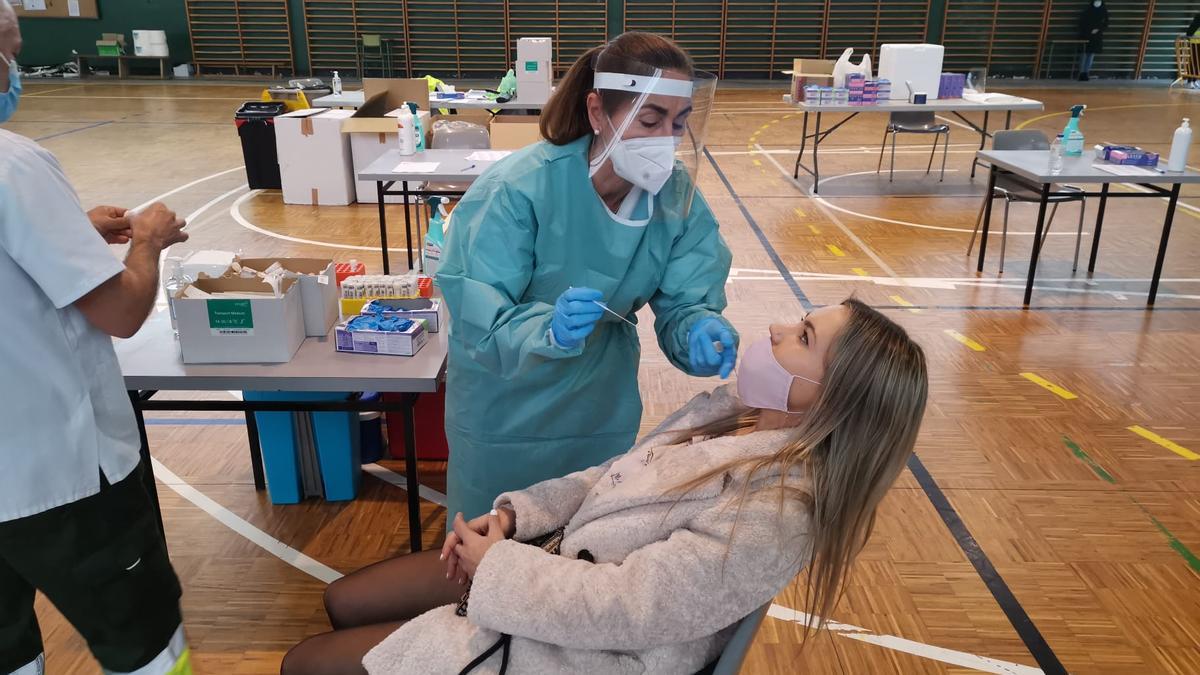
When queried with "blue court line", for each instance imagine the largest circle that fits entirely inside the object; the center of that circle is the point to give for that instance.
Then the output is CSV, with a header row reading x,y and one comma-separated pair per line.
x,y
196,421
72,131
1046,659
762,238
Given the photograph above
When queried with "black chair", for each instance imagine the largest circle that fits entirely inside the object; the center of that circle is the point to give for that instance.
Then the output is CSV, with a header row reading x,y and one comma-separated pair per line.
x,y
914,123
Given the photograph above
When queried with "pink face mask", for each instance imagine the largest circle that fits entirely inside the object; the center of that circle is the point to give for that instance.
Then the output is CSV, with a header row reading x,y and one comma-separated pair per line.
x,y
761,381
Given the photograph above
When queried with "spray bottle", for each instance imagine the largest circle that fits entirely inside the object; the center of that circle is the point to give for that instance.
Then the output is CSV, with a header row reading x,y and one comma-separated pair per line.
x,y
404,129
1072,136
336,84
418,128
1180,145
435,237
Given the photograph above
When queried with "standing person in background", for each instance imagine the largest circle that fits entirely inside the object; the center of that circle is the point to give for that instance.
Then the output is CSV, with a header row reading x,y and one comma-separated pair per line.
x,y
1093,21
602,215
76,522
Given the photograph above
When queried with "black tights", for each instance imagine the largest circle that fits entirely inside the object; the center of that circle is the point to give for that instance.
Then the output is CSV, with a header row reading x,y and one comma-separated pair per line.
x,y
367,606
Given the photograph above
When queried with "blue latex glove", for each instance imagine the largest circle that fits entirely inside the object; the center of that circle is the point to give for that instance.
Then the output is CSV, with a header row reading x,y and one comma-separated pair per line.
x,y
575,316
703,355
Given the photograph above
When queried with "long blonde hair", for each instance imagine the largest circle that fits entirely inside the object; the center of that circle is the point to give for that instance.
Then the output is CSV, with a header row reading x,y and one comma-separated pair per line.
x,y
851,446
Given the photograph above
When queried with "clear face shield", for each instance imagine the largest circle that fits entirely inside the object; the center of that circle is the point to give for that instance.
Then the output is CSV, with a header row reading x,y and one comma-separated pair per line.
x,y
654,135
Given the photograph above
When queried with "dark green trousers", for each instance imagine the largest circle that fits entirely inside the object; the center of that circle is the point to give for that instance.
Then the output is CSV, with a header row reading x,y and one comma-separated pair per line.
x,y
102,562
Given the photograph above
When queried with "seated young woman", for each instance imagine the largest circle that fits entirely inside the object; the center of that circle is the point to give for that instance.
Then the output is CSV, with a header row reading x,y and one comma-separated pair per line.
x,y
664,549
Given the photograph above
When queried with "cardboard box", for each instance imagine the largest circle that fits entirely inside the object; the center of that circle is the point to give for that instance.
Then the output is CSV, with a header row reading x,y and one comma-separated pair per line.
x,y
535,56
407,343
513,132
420,309
810,72
318,289
919,64
396,91
314,157
254,330
372,132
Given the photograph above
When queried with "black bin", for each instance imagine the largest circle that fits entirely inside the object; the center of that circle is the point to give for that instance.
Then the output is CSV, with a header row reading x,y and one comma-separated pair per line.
x,y
255,122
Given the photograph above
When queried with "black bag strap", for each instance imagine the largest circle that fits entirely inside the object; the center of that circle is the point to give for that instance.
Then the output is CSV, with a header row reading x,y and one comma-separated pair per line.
x,y
504,642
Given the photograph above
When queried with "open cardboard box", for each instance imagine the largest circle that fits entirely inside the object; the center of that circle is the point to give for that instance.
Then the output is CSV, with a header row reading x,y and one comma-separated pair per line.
x,y
372,128
259,329
806,72
318,289
513,132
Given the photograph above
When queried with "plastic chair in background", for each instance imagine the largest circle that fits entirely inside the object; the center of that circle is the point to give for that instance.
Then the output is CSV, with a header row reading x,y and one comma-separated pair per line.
x,y
1013,188
914,123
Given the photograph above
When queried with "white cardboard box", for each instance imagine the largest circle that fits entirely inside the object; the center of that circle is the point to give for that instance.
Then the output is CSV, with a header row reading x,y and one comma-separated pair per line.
x,y
534,55
919,64
314,157
407,343
318,289
253,330
370,137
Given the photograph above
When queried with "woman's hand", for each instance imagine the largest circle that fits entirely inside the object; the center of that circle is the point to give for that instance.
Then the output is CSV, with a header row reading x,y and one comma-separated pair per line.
x,y
474,545
481,526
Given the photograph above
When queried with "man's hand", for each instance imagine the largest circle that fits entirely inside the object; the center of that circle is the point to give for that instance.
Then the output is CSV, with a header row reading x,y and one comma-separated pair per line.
x,y
112,223
158,227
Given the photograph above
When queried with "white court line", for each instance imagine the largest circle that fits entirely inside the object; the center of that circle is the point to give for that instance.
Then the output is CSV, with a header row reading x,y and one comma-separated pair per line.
x,y
388,476
235,210
236,523
953,657
181,188
956,123
837,221
45,91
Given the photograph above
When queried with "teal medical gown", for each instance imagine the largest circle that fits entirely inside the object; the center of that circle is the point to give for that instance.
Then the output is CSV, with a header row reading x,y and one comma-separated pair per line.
x,y
520,409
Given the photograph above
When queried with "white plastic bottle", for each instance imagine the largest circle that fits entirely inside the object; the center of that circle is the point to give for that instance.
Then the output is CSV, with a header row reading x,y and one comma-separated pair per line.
x,y
407,135
175,282
337,84
1056,155
1180,145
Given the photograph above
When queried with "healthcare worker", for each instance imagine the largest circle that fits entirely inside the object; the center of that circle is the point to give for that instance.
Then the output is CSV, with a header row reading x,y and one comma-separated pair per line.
x,y
76,522
542,380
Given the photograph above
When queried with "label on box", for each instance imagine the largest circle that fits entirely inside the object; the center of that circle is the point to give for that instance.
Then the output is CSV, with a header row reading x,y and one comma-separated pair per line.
x,y
531,66
230,317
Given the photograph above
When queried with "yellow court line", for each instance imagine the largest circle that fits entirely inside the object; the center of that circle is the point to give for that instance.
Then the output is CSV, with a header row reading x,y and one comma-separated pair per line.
x,y
859,271
756,162
1168,444
1039,118
1048,385
799,212
835,250
966,340
901,301
814,228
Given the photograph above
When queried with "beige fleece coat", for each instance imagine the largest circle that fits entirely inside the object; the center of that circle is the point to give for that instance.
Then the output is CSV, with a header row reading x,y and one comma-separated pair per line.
x,y
666,585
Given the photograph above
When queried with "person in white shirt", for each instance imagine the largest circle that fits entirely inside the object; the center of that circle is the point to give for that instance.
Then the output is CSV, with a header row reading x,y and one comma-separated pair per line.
x,y
76,521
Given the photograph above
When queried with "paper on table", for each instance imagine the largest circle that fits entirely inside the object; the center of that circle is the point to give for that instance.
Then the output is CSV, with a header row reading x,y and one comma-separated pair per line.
x,y
488,155
35,5
73,7
416,167
1125,169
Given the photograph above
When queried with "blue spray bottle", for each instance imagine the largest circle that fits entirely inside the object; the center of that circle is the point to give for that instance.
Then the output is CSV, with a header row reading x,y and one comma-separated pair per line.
x,y
1072,136
418,128
435,237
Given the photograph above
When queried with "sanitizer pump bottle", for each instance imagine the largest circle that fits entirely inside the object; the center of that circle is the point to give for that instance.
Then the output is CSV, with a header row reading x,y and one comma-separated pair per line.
x,y
1180,146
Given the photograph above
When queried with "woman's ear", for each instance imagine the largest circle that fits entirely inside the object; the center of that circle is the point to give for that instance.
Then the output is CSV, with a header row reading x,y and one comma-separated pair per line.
x,y
595,112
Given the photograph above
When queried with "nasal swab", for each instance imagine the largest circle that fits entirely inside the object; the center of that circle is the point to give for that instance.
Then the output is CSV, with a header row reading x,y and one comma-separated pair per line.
x,y
604,307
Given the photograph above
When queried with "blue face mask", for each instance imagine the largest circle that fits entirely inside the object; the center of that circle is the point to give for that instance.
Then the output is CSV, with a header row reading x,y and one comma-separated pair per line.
x,y
8,99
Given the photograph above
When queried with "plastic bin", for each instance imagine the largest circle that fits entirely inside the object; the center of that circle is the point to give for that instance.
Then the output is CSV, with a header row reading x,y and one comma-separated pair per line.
x,y
255,122
429,417
322,447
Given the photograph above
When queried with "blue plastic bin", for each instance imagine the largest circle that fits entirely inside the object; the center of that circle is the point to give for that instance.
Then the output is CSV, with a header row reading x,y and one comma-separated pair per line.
x,y
336,437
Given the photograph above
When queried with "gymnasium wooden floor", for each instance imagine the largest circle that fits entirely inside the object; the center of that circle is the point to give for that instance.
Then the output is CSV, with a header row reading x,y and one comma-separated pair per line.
x,y
1053,520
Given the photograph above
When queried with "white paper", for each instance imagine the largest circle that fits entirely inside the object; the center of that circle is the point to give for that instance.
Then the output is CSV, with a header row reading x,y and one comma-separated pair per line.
x,y
73,7
488,155
35,5
1125,169
416,167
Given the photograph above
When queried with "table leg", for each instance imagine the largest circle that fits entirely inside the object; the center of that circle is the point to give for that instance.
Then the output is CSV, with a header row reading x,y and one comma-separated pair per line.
x,y
412,481
407,223
983,136
1037,242
803,143
1099,225
135,399
256,462
816,159
1162,243
122,69
1008,119
987,217
383,226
